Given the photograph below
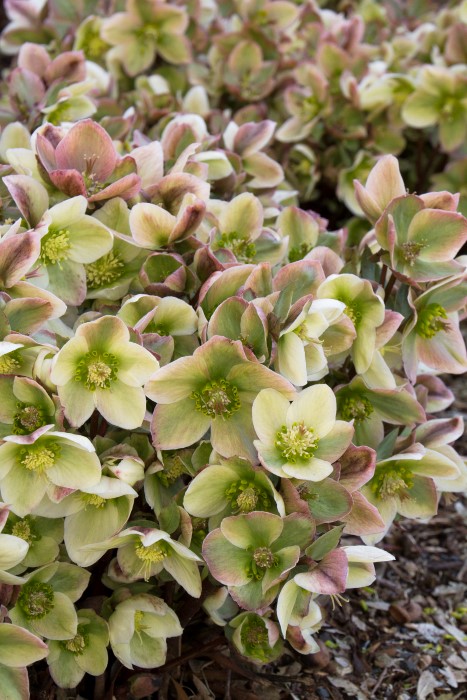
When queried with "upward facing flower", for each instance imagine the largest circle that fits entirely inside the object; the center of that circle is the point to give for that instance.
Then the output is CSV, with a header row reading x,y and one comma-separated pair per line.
x,y
214,388
100,368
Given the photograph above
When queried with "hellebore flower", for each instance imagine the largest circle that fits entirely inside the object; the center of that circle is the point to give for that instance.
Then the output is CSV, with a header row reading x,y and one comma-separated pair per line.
x,y
247,142
421,241
86,652
146,30
144,552
45,602
100,368
369,408
406,484
432,338
239,223
31,465
43,535
300,353
84,162
252,553
300,440
139,628
69,239
25,406
299,617
214,388
364,308
255,637
439,99
230,488
153,227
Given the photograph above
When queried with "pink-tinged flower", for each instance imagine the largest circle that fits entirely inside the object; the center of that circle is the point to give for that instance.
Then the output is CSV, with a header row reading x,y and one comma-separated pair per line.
x,y
421,241
384,184
214,388
100,368
84,161
248,141
432,339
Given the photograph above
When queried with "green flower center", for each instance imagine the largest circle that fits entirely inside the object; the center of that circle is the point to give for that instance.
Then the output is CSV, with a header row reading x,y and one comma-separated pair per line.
x,y
36,599
218,398
9,363
255,639
431,320
97,370
77,645
23,529
92,499
94,46
173,469
39,459
55,246
411,250
356,407
299,252
352,311
264,558
28,419
297,442
104,271
153,554
392,481
242,248
245,496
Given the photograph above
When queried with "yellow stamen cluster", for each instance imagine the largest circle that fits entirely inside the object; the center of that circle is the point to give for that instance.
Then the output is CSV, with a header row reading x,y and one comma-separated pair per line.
x,y
36,599
245,496
55,247
77,645
23,529
355,407
296,442
242,248
27,419
394,480
218,398
431,320
97,370
9,363
411,250
39,459
104,271
92,499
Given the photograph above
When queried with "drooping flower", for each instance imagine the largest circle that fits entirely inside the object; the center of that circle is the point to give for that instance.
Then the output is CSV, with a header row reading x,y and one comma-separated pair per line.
x,y
25,405
214,388
255,637
300,440
100,368
139,628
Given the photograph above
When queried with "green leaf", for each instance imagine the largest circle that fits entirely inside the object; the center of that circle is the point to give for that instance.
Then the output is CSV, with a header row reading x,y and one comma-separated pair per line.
x,y
386,448
324,544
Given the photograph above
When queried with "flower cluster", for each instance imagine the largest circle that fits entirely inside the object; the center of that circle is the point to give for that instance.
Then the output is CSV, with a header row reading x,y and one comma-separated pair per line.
x,y
225,306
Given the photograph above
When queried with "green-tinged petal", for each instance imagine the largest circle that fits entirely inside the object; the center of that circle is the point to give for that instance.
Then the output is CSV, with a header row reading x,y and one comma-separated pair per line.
x,y
286,560
235,435
251,377
65,362
332,446
178,425
291,361
67,280
12,551
285,604
186,573
19,647
242,216
205,495
259,529
316,407
228,564
269,412
65,671
176,381
68,212
313,470
422,501
146,651
14,683
136,365
64,471
270,458
77,401
151,225
122,405
23,489
9,453
421,110
174,49
107,333
89,240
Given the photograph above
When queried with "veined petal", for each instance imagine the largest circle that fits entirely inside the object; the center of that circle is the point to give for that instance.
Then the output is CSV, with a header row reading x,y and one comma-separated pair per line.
x,y
269,413
122,405
178,425
77,401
